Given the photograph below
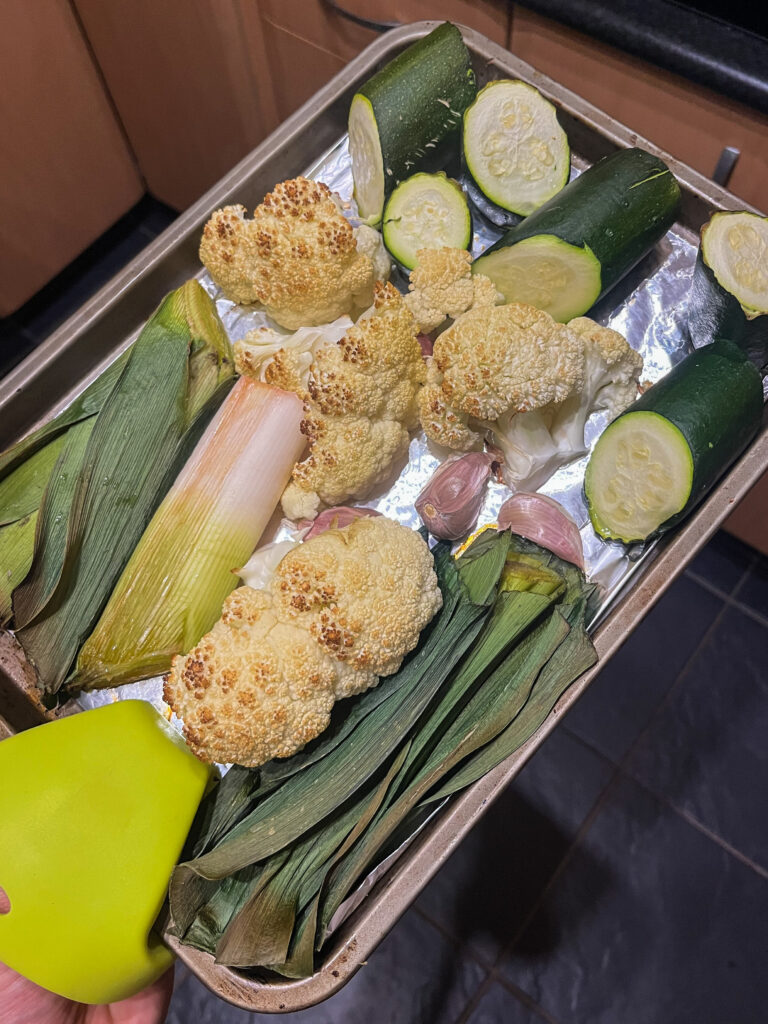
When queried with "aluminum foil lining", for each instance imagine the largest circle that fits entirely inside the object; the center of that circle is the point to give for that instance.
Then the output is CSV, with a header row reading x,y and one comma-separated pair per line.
x,y
648,307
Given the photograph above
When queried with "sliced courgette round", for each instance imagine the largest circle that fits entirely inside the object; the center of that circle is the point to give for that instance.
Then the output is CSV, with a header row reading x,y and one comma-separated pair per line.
x,y
514,147
426,211
545,272
735,246
729,295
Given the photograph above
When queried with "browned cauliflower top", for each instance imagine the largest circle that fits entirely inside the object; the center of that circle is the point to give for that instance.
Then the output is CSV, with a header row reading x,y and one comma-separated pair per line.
x,y
442,285
494,359
341,610
298,256
360,404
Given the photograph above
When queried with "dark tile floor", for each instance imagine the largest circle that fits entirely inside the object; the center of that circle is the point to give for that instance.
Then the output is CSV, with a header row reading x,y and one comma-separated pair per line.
x,y
623,877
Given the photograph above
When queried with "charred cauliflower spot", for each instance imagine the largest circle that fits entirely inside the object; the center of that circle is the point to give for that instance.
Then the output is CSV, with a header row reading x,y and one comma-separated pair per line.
x,y
298,257
442,285
341,611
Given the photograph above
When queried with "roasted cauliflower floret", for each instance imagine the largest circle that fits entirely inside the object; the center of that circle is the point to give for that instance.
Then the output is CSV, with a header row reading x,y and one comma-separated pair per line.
x,y
340,611
497,358
442,285
298,256
360,403
514,373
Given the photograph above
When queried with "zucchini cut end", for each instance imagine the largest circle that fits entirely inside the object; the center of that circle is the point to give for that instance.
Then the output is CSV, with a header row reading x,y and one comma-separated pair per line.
x,y
639,476
543,271
735,248
514,147
367,160
427,211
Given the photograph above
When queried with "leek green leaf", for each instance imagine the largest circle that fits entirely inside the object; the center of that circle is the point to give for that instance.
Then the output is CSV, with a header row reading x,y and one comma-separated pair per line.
x,y
22,490
306,797
573,657
17,544
480,721
83,407
132,446
31,596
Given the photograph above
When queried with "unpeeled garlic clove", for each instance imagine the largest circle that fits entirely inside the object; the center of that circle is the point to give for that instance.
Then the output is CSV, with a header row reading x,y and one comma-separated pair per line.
x,y
450,502
543,520
336,518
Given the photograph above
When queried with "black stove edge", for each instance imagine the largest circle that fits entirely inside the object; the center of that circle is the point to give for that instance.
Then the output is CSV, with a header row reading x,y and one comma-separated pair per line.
x,y
701,48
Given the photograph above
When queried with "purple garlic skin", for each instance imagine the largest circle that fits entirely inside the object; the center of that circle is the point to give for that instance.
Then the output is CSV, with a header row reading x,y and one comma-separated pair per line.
x,y
544,521
336,518
450,502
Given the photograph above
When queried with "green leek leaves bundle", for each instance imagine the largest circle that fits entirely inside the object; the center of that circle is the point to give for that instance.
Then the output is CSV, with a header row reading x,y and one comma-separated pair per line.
x,y
275,852
92,478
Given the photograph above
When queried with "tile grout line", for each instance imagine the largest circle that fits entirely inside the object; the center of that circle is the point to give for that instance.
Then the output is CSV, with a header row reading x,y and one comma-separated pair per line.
x,y
467,950
612,783
729,599
491,974
694,822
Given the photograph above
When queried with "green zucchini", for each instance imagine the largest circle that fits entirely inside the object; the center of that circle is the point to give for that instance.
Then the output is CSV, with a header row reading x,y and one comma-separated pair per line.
x,y
513,146
495,214
575,247
654,463
426,211
401,117
729,294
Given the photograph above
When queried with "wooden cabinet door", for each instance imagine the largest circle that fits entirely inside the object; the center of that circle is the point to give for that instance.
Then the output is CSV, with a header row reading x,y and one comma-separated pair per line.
x,y
307,41
67,173
191,82
687,120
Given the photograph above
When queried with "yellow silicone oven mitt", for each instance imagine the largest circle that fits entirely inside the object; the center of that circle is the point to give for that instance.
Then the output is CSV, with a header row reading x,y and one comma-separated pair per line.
x,y
94,811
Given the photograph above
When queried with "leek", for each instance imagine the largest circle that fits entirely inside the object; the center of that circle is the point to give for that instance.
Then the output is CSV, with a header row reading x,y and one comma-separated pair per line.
x,y
176,580
149,406
17,542
273,854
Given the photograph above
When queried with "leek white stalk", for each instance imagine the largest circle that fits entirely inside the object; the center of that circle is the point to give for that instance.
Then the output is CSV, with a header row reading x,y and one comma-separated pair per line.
x,y
176,580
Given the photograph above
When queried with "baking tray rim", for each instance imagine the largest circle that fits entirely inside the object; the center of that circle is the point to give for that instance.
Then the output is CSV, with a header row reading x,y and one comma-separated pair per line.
x,y
362,932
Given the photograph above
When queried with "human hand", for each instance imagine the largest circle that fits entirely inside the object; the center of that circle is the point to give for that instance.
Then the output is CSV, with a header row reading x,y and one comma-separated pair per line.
x,y
23,1002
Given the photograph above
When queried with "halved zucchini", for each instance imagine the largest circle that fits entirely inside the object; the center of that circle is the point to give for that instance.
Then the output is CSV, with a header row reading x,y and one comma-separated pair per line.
x,y
655,462
426,211
513,146
729,297
400,118
609,217
545,272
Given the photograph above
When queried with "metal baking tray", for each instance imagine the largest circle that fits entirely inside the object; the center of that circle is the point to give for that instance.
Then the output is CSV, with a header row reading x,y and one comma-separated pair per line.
x,y
80,349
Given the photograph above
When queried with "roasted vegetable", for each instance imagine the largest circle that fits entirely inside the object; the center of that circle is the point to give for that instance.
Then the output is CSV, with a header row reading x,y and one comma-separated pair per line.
x,y
172,588
360,402
299,256
513,147
442,285
660,458
400,118
543,520
340,611
729,294
274,854
426,211
582,241
513,371
450,501
112,474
